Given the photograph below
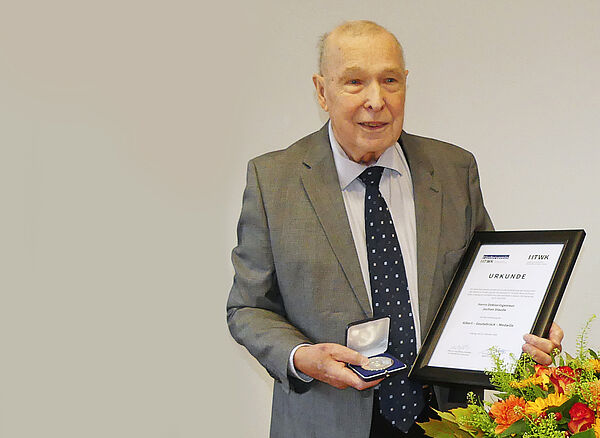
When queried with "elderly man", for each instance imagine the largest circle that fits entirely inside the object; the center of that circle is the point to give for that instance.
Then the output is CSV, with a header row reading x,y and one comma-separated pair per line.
x,y
356,220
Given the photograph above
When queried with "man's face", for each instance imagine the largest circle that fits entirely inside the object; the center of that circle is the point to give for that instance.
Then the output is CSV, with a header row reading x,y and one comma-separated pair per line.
x,y
363,87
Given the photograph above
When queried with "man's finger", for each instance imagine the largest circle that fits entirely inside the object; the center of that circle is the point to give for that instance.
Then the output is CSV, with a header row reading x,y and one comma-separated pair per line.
x,y
341,377
345,354
351,379
545,345
366,385
556,335
538,355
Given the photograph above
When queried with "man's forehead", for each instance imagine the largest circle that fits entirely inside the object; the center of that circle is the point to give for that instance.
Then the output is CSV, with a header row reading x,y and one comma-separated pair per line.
x,y
380,45
349,41
394,69
348,62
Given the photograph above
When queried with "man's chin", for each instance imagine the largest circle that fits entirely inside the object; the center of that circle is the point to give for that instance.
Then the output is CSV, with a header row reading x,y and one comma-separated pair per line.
x,y
377,148
367,159
371,156
377,142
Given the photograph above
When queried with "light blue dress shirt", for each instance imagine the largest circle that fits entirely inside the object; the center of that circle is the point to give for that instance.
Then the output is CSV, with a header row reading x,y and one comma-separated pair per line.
x,y
397,190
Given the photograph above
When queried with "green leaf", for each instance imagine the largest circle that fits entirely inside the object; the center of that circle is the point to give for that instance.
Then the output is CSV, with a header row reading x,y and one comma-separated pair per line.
x,y
530,369
518,427
447,416
454,415
436,429
539,392
593,353
565,407
460,413
443,429
459,433
585,434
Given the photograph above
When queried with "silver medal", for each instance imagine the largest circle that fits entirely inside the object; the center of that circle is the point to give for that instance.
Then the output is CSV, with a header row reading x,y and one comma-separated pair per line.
x,y
378,363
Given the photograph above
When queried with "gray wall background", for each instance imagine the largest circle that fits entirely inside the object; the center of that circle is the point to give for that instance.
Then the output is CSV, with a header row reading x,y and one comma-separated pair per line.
x,y
125,128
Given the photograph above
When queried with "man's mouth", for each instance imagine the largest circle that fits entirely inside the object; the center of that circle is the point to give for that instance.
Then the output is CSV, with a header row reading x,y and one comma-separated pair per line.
x,y
372,125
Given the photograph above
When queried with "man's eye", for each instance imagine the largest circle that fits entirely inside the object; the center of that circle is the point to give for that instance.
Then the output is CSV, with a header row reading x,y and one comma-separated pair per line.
x,y
390,80
354,82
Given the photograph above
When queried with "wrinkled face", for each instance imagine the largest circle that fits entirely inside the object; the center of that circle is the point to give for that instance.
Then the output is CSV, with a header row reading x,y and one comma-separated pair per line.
x,y
362,87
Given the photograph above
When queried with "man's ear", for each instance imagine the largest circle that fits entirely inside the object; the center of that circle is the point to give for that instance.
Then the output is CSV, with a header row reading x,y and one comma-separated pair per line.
x,y
319,82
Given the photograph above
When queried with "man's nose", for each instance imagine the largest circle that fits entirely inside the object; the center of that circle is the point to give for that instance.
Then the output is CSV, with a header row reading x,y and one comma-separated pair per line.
x,y
374,97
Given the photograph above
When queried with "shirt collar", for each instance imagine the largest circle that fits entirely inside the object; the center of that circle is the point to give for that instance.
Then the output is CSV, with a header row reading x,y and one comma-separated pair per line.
x,y
349,170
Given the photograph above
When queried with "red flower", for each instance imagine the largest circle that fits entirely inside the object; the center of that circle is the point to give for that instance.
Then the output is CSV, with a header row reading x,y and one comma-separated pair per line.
x,y
561,377
582,418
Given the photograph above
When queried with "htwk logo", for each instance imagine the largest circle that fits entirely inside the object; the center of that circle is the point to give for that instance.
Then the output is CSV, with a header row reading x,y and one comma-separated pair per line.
x,y
539,256
495,256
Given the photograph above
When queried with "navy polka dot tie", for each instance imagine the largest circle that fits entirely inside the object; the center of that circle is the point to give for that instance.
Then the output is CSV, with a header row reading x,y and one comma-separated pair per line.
x,y
400,400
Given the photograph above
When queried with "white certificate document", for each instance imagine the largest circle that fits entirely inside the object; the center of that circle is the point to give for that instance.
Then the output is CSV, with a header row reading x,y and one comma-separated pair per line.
x,y
497,304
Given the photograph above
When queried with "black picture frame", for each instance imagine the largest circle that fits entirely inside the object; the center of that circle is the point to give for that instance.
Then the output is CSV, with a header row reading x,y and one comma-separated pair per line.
x,y
572,241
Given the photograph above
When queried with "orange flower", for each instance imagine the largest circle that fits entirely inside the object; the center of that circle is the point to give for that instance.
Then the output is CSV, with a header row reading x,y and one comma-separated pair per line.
x,y
507,412
541,370
594,388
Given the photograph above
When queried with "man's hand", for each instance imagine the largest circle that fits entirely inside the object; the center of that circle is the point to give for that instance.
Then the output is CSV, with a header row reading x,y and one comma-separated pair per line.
x,y
540,348
327,363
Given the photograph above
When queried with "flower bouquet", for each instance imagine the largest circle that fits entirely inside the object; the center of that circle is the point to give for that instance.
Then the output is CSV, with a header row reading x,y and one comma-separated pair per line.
x,y
534,401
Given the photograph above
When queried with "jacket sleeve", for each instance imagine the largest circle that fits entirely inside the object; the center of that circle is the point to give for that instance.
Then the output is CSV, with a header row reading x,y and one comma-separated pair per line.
x,y
456,396
480,219
255,311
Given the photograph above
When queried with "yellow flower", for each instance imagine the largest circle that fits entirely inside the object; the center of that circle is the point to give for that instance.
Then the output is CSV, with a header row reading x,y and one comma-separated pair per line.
x,y
593,364
541,404
542,381
596,427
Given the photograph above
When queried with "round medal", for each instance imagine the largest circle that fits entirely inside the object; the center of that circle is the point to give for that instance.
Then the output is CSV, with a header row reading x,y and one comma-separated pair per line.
x,y
378,363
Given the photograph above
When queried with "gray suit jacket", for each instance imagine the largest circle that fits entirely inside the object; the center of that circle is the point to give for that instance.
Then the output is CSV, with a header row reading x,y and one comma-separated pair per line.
x,y
297,274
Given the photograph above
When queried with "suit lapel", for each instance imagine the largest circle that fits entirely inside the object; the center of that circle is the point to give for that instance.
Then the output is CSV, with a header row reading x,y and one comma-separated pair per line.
x,y
320,180
428,204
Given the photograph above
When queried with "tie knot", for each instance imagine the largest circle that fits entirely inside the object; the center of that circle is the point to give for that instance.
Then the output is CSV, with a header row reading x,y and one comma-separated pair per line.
x,y
371,176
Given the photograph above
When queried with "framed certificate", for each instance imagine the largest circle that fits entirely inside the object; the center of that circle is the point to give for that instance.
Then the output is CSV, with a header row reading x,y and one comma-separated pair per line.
x,y
508,283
